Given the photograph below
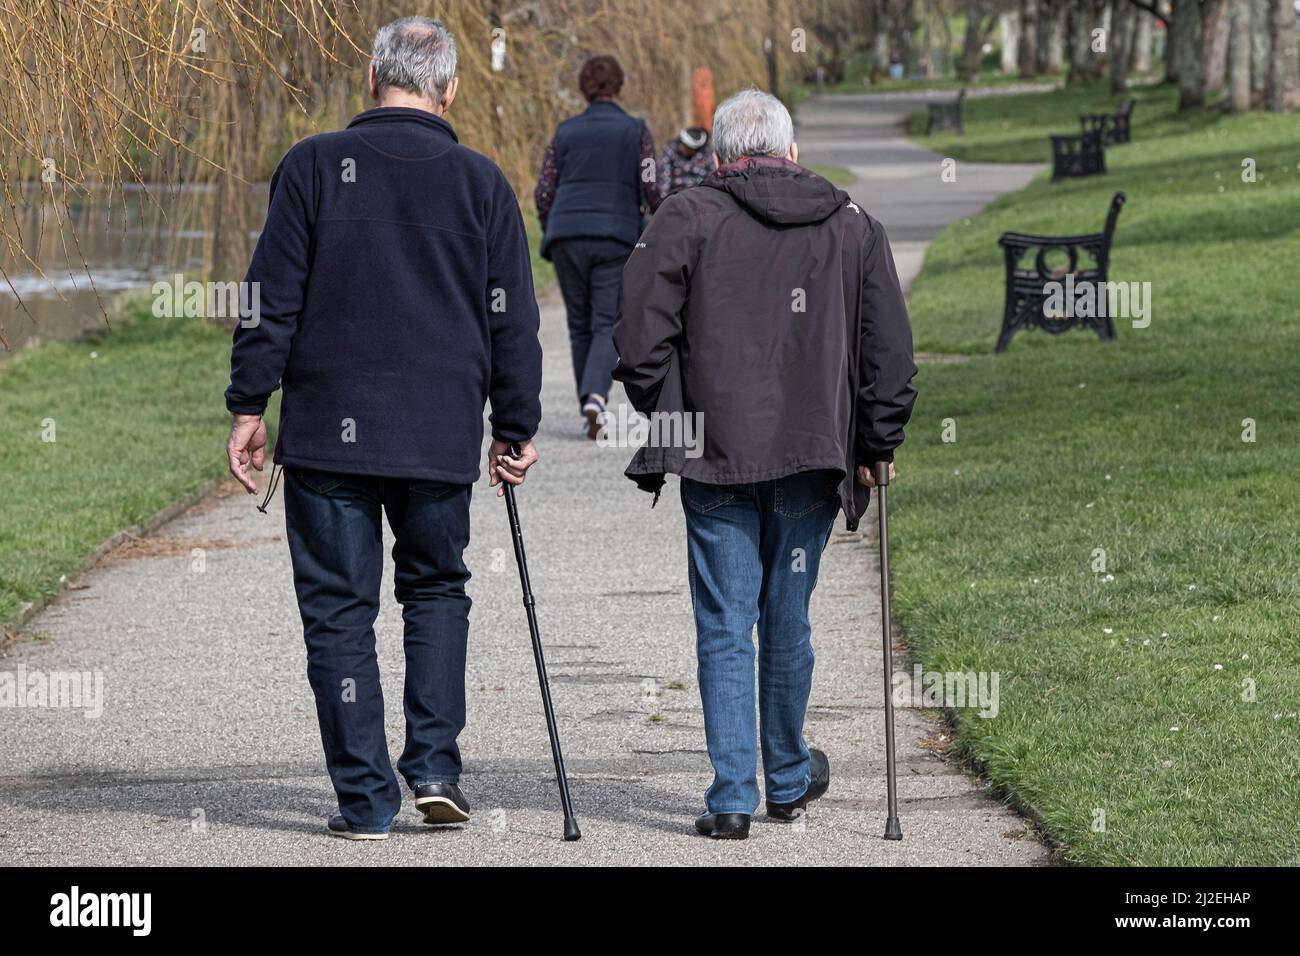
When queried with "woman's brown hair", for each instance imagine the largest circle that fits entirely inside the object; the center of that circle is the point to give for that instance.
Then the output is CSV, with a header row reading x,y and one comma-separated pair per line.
x,y
601,78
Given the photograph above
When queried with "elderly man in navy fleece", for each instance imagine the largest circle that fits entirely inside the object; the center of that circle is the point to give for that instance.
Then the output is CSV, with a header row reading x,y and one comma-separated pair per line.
x,y
396,300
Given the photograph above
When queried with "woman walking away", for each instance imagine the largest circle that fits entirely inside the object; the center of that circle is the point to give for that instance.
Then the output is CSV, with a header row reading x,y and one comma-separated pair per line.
x,y
597,177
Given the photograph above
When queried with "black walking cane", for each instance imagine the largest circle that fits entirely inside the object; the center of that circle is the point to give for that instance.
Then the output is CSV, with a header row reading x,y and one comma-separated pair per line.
x,y
892,830
571,831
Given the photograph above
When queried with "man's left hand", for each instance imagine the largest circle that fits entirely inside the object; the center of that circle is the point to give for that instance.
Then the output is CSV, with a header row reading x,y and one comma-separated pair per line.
x,y
502,466
867,476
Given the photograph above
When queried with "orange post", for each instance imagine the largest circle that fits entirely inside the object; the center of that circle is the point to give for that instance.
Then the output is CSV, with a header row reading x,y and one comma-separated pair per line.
x,y
702,98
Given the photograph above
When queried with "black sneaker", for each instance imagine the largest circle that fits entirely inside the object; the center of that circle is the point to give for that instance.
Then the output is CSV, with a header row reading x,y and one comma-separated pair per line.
x,y
820,783
723,826
338,827
442,803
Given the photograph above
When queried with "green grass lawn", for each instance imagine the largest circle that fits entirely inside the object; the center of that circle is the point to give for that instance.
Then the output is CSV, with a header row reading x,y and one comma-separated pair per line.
x,y
138,423
1164,697
543,271
836,175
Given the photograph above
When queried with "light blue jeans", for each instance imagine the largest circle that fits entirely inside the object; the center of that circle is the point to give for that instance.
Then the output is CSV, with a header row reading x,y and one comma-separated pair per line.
x,y
753,552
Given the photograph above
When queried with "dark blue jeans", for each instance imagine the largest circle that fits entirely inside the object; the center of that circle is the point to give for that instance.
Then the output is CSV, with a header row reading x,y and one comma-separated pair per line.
x,y
590,273
753,553
336,543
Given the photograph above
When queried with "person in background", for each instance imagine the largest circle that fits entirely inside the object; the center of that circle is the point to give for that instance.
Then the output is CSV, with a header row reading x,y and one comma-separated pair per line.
x,y
597,177
687,158
764,303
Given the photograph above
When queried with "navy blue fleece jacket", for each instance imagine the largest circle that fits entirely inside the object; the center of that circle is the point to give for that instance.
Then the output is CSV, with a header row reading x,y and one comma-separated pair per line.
x,y
396,299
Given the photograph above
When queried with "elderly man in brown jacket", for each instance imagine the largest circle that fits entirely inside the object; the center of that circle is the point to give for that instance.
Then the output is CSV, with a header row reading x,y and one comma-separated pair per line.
x,y
765,307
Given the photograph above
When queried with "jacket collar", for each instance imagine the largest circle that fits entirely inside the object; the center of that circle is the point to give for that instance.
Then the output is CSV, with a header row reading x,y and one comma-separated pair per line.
x,y
403,114
745,163
604,105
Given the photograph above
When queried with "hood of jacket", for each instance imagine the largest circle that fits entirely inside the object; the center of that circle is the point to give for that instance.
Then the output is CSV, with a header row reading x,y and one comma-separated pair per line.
x,y
778,190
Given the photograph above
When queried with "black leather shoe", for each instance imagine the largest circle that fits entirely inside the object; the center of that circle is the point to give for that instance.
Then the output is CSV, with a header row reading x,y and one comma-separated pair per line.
x,y
442,803
724,826
820,783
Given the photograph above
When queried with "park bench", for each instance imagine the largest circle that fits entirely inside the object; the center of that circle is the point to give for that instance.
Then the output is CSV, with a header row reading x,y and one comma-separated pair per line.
x,y
945,115
1113,127
1081,155
1031,284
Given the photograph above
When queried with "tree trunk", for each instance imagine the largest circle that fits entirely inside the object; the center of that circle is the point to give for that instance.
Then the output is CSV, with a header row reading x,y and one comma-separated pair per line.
x,y
1045,16
1169,47
880,52
1239,58
908,33
1028,51
1120,44
1144,27
1076,40
1054,42
1214,43
1009,41
1085,16
1260,41
1284,71
1185,44
968,66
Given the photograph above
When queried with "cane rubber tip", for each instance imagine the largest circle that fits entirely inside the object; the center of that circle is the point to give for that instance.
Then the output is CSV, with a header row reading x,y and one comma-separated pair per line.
x,y
571,831
892,830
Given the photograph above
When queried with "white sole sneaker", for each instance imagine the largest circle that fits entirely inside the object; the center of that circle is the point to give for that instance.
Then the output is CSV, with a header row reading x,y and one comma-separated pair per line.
x,y
337,827
595,416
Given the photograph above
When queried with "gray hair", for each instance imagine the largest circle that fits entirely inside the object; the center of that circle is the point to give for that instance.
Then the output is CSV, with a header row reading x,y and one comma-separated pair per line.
x,y
416,54
751,123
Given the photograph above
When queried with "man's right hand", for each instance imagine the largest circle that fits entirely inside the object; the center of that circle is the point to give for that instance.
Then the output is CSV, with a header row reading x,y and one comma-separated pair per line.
x,y
867,475
246,447
502,466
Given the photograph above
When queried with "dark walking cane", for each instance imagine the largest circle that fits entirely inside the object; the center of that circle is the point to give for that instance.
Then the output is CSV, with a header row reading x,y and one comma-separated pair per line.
x,y
571,831
892,830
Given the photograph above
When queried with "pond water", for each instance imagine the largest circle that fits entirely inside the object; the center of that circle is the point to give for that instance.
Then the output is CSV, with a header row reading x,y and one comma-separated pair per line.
x,y
89,254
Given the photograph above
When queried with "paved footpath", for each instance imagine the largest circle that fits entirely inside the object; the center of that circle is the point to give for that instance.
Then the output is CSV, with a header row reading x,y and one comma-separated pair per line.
x,y
207,749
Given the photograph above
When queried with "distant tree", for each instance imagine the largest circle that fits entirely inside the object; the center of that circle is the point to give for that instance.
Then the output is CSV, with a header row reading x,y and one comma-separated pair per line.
x,y
1185,47
1260,42
1051,36
1144,29
1122,17
1028,51
1239,57
1085,17
1214,43
981,18
1284,72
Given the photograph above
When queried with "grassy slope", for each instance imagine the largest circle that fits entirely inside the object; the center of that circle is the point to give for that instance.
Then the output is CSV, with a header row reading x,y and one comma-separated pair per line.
x,y
1066,444
836,175
138,426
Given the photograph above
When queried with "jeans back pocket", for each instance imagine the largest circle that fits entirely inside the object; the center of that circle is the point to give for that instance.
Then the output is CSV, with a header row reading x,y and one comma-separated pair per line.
x,y
801,494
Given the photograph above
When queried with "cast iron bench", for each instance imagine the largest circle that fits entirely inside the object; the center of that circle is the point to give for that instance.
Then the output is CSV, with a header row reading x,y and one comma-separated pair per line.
x,y
1081,155
945,115
1113,127
1028,284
